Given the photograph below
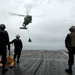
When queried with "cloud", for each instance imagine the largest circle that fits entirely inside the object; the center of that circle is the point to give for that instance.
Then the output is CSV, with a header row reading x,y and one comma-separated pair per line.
x,y
48,31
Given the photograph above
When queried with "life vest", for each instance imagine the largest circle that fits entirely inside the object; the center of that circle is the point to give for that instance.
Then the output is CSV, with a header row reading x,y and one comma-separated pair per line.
x,y
72,39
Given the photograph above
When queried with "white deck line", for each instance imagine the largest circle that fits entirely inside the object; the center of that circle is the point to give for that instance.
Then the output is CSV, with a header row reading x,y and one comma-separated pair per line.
x,y
65,53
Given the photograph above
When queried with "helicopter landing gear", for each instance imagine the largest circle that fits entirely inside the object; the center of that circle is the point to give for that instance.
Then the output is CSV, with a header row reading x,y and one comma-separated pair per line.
x,y
23,27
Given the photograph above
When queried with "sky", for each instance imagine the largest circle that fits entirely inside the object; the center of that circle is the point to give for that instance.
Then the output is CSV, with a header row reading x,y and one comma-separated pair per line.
x,y
51,20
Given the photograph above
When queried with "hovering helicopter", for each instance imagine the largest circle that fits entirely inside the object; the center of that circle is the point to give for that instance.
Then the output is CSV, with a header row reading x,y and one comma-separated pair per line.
x,y
27,18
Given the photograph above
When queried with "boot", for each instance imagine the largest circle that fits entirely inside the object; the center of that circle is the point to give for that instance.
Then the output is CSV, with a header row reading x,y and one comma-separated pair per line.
x,y
4,70
17,60
69,70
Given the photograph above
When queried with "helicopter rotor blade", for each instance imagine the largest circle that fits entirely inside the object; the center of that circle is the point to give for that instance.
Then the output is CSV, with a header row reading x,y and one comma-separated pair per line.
x,y
16,14
39,16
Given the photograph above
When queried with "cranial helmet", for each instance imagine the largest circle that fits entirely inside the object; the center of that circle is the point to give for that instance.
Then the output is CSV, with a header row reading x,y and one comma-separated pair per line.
x,y
72,29
2,26
18,36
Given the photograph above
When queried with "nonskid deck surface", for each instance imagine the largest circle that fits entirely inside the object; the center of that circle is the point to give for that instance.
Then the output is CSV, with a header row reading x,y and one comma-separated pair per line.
x,y
40,63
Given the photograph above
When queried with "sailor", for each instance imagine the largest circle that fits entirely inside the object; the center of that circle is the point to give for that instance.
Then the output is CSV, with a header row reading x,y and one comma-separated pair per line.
x,y
4,42
17,47
70,45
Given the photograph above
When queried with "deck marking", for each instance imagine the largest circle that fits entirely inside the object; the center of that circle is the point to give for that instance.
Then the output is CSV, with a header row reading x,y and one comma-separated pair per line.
x,y
65,53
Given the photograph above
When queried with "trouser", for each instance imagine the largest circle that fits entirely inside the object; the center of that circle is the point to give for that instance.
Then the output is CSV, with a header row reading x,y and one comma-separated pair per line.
x,y
71,56
17,53
4,60
4,54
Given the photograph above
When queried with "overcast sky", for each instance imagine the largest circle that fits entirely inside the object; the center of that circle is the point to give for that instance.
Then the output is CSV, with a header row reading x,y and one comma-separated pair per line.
x,y
50,24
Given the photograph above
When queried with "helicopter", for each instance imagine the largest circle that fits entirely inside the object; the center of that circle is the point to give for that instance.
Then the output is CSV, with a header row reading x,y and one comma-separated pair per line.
x,y
27,18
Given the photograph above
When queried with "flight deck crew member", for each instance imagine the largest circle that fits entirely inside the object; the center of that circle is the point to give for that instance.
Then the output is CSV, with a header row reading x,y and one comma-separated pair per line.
x,y
4,42
70,45
17,47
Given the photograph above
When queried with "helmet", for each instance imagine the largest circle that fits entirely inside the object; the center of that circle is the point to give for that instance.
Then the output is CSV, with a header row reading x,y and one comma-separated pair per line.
x,y
72,29
17,36
2,26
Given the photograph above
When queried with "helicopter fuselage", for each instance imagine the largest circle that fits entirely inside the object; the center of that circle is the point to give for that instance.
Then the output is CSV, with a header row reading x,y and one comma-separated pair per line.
x,y
27,20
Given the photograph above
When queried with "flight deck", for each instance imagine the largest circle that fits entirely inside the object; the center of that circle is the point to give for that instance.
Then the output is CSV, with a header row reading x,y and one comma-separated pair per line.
x,y
40,62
